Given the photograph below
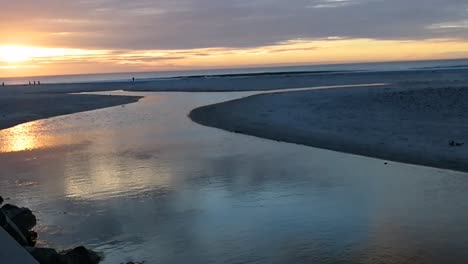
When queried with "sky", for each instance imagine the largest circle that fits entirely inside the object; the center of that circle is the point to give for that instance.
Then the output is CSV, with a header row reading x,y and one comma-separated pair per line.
x,y
53,37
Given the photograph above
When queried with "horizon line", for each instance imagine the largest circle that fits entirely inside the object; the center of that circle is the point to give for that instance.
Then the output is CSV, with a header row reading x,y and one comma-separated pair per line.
x,y
260,66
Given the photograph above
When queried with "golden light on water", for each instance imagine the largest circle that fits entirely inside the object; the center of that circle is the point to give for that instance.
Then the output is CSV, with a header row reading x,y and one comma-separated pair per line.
x,y
22,137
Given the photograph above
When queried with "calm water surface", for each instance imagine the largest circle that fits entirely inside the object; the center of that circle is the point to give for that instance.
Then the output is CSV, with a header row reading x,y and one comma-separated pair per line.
x,y
143,182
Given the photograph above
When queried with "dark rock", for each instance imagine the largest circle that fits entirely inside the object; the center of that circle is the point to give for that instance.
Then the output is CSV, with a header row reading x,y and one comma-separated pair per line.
x,y
43,255
79,255
23,221
454,143
3,221
18,222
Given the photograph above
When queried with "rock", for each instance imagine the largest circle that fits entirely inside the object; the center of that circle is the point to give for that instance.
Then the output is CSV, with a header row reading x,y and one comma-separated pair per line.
x,y
79,255
453,143
43,255
3,221
19,225
24,220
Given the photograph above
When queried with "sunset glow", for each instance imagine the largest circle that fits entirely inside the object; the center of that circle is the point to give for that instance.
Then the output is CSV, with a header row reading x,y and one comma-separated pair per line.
x,y
16,54
77,37
12,54
22,60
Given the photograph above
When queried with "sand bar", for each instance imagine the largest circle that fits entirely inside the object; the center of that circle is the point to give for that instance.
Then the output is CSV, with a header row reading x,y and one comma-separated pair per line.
x,y
419,125
17,107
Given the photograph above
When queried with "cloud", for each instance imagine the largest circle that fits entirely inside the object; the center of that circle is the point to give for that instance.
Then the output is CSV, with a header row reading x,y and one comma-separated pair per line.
x,y
188,24
331,3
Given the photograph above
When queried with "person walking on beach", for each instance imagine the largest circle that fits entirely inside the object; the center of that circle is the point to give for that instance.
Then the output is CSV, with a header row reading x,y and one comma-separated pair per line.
x,y
133,79
3,83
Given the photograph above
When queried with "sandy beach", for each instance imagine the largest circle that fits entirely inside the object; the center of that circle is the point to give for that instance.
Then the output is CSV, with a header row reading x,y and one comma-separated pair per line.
x,y
411,124
150,165
413,119
17,107
424,78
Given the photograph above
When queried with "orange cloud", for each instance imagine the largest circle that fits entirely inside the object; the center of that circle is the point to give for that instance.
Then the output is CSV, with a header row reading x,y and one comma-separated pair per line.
x,y
24,61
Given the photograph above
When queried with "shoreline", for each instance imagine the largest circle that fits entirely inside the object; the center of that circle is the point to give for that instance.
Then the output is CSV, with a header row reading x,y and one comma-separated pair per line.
x,y
394,123
257,82
411,120
18,108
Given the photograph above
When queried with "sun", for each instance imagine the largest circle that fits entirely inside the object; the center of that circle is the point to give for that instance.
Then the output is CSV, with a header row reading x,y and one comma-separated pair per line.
x,y
15,54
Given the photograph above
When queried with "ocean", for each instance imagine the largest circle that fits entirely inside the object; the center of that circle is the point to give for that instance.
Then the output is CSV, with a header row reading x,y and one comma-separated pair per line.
x,y
116,77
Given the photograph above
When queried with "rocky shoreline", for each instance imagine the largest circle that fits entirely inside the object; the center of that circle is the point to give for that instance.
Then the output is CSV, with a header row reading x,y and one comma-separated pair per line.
x,y
18,222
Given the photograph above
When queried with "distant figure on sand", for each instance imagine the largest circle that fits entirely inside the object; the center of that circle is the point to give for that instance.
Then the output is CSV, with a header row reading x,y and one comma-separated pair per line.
x,y
29,82
38,82
34,82
3,83
133,79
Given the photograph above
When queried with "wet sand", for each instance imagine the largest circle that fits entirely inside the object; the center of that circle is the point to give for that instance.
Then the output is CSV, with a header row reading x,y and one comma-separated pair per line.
x,y
46,96
145,183
17,107
159,188
412,120
410,124
420,78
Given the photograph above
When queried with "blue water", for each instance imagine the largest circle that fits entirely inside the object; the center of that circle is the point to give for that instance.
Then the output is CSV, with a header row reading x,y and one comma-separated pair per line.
x,y
379,66
143,182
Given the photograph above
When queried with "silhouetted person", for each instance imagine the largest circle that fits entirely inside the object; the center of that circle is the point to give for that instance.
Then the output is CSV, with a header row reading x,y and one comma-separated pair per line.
x,y
3,83
133,79
38,82
34,82
29,82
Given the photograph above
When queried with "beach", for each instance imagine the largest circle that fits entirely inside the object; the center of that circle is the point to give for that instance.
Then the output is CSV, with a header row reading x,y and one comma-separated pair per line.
x,y
160,188
404,123
17,107
412,119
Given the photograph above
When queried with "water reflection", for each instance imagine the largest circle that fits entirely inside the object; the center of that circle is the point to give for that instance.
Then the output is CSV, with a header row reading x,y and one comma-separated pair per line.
x,y
105,176
21,137
143,182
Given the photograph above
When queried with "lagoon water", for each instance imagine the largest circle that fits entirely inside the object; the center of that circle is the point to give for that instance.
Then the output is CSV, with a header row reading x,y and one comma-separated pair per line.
x,y
143,182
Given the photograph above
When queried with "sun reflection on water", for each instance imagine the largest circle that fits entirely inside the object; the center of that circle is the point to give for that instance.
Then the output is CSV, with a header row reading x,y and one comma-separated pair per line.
x,y
21,137
29,136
